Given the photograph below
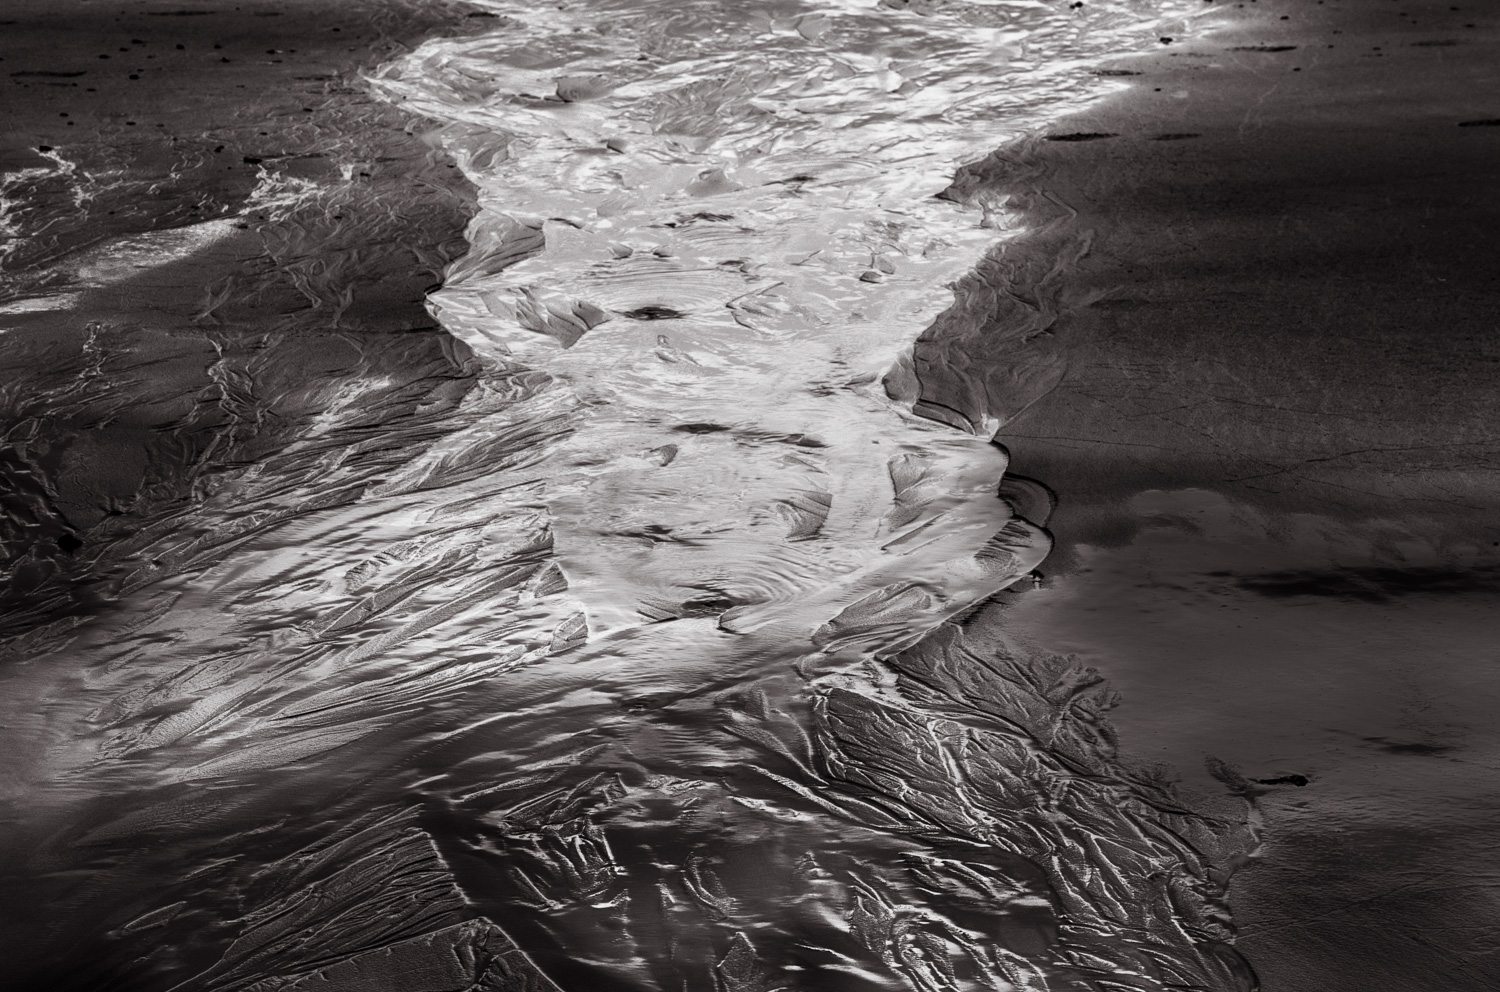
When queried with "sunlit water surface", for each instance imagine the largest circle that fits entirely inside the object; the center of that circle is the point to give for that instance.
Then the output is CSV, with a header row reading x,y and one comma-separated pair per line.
x,y
641,651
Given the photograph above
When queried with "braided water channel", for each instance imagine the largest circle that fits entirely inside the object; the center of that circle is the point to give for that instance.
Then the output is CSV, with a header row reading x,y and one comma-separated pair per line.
x,y
650,659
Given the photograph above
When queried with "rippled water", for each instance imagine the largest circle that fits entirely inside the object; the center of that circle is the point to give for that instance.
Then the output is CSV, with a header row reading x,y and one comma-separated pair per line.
x,y
628,631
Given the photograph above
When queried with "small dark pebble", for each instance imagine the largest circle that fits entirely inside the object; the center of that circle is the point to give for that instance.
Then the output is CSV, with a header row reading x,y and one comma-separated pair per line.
x,y
699,428
252,160
653,312
1082,136
1493,122
1298,780
44,148
69,543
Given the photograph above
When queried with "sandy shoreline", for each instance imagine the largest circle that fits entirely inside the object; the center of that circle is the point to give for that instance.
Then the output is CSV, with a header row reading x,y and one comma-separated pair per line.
x,y
202,272
1248,343
250,236
1276,462
1292,300
335,550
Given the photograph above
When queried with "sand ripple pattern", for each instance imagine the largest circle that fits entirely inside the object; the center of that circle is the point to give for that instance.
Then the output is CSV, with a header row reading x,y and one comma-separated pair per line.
x,y
721,228
641,642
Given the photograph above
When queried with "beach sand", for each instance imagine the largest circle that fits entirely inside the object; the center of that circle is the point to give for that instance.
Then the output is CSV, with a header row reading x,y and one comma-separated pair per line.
x,y
1275,455
1264,268
209,285
172,315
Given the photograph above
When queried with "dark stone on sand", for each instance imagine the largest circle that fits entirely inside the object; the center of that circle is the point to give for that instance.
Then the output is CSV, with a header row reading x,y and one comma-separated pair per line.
x,y
654,312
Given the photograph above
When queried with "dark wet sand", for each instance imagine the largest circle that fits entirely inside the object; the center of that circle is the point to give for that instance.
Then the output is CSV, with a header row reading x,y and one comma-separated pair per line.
x,y
1276,457
1293,308
169,112
1296,296
214,342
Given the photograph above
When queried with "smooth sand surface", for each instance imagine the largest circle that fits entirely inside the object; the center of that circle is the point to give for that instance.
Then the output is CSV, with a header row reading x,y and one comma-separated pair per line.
x,y
1276,460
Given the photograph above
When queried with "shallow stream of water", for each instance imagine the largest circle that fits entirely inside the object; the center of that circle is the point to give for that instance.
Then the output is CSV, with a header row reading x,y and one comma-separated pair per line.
x,y
621,645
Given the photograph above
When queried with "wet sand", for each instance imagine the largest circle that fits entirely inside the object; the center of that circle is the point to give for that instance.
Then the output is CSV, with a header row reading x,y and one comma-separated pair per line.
x,y
344,642
207,283
223,243
341,637
1275,454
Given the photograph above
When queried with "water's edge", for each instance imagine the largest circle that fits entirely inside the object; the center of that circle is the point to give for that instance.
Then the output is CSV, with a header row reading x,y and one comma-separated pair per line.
x,y
637,636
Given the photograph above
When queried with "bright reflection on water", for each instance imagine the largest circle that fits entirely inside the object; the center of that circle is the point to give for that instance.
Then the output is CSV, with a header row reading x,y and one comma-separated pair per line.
x,y
640,650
